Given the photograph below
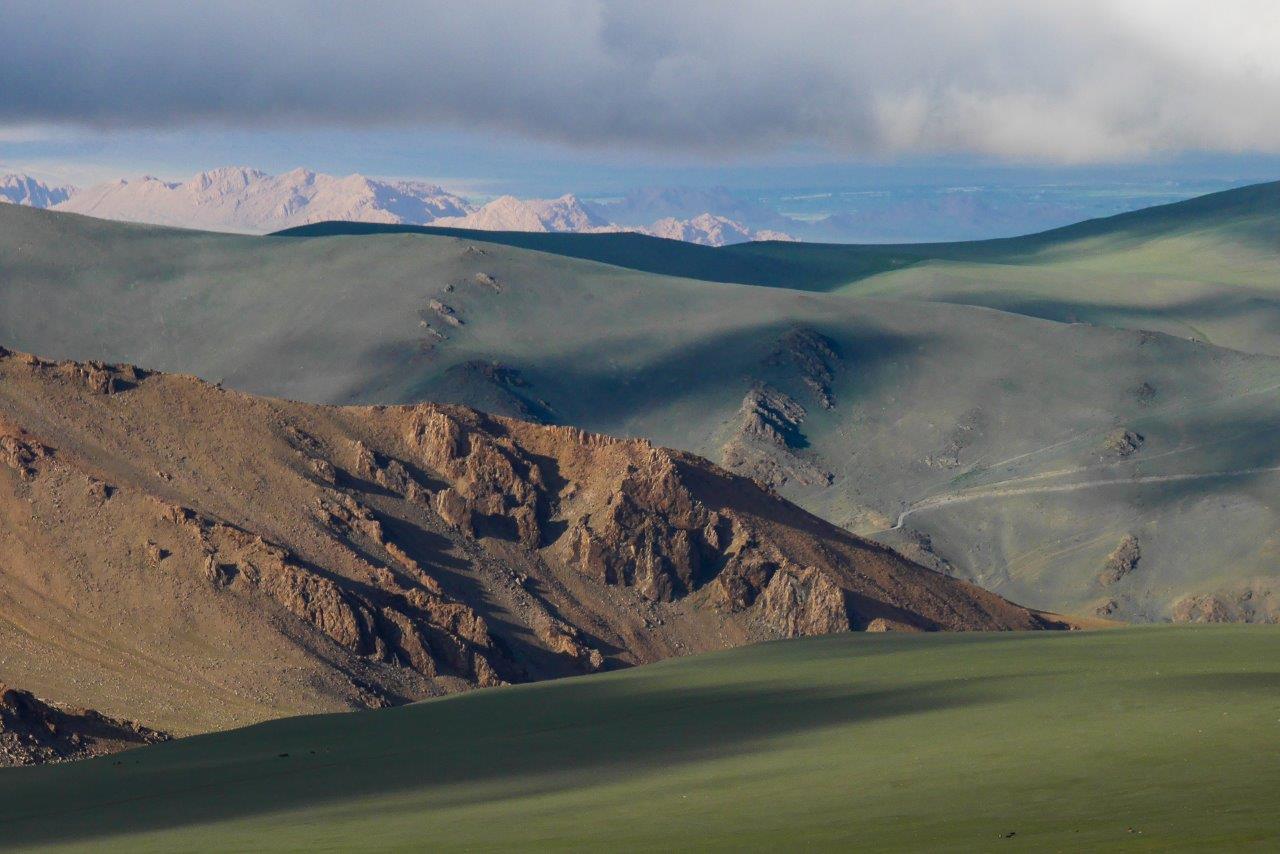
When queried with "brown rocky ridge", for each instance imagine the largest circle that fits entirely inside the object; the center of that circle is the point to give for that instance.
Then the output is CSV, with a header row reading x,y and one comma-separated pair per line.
x,y
195,558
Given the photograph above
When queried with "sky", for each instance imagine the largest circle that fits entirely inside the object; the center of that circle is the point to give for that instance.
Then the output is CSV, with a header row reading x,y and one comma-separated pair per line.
x,y
575,93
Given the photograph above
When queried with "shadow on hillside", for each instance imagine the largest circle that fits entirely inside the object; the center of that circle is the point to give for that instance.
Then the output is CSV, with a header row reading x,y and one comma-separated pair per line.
x,y
1240,444
586,390
537,739
1260,682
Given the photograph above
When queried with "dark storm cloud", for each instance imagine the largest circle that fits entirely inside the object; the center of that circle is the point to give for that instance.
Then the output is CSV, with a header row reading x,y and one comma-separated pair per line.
x,y
1064,81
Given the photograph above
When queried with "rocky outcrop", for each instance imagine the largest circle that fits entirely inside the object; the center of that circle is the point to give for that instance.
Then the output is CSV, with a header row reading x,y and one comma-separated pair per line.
x,y
488,281
494,489
1122,561
568,641
766,441
1256,602
34,732
814,358
652,533
804,602
101,378
1120,443
390,474
771,417
20,452
97,377
441,312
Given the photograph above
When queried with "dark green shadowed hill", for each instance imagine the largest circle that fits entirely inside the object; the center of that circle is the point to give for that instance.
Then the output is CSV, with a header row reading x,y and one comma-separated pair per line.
x,y
623,249
1249,216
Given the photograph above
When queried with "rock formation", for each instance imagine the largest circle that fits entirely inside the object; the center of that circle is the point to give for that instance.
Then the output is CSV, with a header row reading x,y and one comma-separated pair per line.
x,y
34,732
1254,602
766,441
1122,561
1121,443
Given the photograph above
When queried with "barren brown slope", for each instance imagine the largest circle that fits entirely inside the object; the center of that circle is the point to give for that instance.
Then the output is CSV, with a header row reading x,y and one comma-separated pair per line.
x,y
195,558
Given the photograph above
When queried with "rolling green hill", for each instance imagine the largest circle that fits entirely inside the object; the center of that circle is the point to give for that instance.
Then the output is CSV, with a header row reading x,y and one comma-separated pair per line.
x,y
1134,739
1014,451
1207,268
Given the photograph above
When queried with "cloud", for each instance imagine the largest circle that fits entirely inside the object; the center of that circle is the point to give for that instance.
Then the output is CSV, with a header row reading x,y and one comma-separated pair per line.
x,y
1073,81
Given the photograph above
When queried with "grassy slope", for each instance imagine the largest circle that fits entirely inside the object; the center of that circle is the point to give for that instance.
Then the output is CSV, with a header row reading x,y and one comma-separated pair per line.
x,y
335,319
1207,268
1214,282
873,741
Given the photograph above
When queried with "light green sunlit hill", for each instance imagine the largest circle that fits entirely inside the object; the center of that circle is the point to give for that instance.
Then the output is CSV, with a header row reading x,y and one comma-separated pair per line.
x,y
1150,739
1207,268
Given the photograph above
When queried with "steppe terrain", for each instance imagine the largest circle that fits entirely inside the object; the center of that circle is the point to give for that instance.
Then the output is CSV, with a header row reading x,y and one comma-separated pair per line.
x,y
1097,468
250,482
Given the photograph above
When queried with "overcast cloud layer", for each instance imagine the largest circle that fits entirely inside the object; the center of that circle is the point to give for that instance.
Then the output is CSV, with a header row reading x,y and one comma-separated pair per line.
x,y
1071,82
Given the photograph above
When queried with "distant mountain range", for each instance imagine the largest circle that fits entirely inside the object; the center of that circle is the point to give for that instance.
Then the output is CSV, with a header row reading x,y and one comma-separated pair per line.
x,y
25,190
239,199
569,214
248,200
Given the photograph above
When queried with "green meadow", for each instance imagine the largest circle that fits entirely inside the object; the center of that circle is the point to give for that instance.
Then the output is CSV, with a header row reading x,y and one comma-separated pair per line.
x,y
1157,738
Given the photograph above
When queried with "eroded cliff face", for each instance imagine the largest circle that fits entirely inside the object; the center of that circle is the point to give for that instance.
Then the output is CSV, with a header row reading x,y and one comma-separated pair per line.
x,y
672,526
400,617
412,625
619,513
178,548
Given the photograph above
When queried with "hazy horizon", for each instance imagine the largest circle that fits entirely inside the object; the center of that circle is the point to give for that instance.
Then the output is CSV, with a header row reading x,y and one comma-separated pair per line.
x,y
1108,106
